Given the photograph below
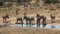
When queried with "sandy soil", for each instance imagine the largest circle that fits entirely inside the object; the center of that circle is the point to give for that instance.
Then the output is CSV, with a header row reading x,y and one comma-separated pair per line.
x,y
28,30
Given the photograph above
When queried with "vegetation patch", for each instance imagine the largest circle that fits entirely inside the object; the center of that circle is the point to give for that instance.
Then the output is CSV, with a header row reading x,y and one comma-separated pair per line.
x,y
51,1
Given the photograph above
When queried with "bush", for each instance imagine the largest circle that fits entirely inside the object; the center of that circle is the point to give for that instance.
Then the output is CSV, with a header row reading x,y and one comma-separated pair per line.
x,y
51,1
7,5
23,1
1,3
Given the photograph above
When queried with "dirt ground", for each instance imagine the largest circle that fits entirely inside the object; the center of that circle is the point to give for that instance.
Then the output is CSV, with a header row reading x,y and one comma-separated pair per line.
x,y
28,30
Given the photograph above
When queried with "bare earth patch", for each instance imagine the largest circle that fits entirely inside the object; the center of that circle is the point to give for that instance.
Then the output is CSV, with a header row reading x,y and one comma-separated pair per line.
x,y
28,30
